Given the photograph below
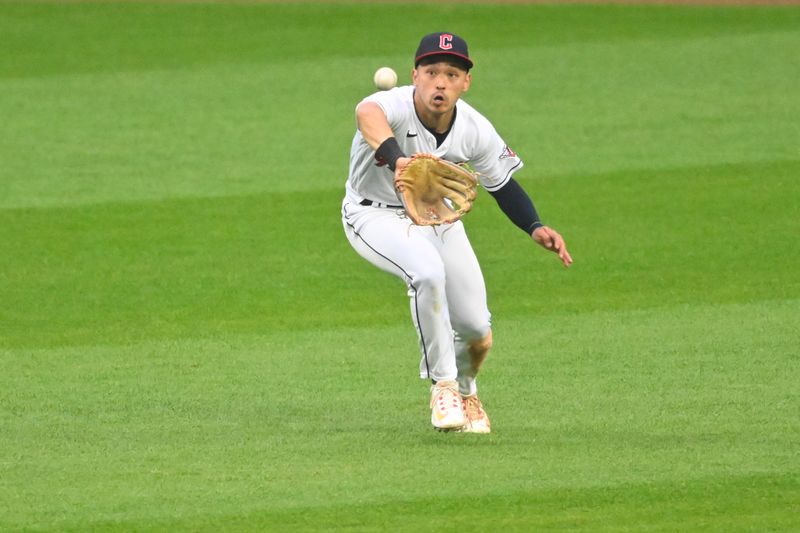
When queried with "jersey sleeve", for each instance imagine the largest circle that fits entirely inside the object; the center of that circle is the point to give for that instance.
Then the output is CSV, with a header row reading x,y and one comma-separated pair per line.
x,y
493,159
394,104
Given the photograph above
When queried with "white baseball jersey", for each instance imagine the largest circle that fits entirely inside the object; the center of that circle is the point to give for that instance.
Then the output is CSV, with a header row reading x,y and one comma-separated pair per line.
x,y
472,139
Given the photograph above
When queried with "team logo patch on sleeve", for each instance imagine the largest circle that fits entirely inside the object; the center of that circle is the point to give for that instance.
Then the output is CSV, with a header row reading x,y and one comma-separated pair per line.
x,y
506,153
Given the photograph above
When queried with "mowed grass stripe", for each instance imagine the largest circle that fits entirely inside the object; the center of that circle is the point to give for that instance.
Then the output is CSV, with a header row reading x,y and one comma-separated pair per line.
x,y
253,429
107,36
200,128
754,503
121,273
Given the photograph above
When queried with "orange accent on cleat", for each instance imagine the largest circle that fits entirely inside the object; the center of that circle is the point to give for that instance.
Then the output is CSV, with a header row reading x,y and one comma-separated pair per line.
x,y
477,419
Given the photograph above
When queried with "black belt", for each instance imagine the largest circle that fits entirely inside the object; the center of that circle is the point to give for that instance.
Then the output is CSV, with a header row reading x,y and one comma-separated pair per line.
x,y
379,204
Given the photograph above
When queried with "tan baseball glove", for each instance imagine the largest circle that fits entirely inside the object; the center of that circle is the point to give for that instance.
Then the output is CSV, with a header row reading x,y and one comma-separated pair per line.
x,y
435,191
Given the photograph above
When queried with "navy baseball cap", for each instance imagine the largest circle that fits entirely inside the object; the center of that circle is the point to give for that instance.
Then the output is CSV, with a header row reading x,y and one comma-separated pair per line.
x,y
443,43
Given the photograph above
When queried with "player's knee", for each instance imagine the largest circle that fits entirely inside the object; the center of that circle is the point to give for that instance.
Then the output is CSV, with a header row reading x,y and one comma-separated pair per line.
x,y
483,343
428,278
473,328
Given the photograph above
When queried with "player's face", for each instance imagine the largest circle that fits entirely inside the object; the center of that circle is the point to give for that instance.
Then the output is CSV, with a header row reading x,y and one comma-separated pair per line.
x,y
439,86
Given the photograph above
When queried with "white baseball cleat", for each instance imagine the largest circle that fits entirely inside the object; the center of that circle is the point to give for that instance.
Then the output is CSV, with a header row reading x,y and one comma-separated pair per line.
x,y
446,410
477,419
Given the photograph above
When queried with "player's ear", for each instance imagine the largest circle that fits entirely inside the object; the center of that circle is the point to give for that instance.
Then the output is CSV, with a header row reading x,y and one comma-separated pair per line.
x,y
414,77
467,81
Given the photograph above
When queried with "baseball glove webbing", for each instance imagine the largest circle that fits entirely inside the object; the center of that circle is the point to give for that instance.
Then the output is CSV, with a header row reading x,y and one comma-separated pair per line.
x,y
435,191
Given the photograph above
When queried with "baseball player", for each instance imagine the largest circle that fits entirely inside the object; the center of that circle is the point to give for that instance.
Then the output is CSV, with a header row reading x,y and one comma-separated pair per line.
x,y
437,263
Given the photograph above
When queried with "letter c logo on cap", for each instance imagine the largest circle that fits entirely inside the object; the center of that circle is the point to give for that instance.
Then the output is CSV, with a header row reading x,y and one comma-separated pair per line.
x,y
445,41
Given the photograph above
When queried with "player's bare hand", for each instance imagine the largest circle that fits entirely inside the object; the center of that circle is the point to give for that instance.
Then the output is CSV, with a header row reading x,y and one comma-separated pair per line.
x,y
550,239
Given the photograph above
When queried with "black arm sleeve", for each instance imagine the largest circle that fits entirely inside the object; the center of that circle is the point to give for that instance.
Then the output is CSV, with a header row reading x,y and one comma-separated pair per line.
x,y
389,152
517,206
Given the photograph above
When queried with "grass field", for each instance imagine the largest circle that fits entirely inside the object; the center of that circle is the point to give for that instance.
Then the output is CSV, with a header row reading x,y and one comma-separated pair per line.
x,y
187,342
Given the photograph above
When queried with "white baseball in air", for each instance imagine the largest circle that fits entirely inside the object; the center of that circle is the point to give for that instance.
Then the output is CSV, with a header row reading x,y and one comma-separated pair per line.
x,y
385,78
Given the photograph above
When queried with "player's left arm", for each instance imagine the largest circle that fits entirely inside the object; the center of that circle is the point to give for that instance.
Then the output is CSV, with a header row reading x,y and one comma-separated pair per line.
x,y
497,163
519,208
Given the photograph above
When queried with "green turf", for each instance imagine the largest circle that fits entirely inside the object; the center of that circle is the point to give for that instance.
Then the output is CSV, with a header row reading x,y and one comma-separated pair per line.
x,y
187,342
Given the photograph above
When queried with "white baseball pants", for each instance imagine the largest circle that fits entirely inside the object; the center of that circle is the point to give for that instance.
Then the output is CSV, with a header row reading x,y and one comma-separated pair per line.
x,y
444,280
